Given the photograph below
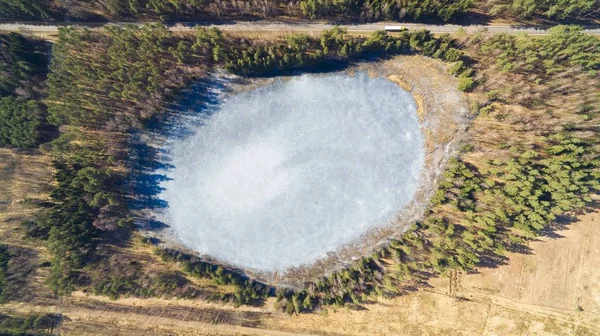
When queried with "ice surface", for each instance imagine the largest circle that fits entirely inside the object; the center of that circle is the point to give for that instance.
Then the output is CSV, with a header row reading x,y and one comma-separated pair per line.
x,y
280,176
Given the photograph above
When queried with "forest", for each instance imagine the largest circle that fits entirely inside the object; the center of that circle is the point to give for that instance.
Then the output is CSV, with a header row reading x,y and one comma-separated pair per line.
x,y
22,74
103,86
346,10
113,92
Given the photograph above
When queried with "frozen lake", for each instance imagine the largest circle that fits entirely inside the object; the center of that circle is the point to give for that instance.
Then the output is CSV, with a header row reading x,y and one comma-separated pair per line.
x,y
280,176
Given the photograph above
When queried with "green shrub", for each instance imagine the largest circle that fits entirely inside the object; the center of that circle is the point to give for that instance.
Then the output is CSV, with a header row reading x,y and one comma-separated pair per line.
x,y
465,83
20,122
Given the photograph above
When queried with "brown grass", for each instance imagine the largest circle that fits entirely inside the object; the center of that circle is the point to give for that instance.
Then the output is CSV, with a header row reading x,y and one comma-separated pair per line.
x,y
534,294
24,178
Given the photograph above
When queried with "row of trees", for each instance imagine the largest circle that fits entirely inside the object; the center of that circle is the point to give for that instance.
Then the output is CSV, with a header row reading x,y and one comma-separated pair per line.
x,y
301,52
363,10
119,275
378,10
190,9
246,291
25,9
22,71
568,47
552,9
194,9
143,9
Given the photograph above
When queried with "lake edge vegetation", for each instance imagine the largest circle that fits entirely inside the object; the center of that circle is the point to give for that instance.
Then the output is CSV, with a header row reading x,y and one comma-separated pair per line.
x,y
481,210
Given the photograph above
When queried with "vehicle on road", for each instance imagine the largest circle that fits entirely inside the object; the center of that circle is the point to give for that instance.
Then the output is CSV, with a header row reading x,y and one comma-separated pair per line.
x,y
394,28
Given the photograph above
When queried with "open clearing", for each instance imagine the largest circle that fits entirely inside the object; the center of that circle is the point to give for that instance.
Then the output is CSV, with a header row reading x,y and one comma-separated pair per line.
x,y
24,179
534,294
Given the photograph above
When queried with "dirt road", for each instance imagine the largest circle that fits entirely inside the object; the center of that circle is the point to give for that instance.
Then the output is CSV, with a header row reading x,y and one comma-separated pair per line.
x,y
268,26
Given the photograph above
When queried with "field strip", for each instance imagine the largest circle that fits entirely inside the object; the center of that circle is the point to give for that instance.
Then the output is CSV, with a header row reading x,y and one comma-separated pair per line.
x,y
554,313
76,313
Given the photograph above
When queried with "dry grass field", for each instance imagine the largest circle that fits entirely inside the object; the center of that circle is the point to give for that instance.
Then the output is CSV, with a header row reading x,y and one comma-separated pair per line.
x,y
534,294
24,179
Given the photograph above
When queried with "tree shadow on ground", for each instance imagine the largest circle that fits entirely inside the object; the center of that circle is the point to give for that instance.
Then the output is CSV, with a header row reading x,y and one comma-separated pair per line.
x,y
329,65
562,222
21,270
492,260
149,158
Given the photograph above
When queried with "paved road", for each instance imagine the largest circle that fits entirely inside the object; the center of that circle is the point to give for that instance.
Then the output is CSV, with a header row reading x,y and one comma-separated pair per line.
x,y
303,27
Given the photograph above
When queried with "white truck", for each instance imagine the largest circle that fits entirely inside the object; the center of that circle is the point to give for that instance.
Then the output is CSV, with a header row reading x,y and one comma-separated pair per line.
x,y
394,28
